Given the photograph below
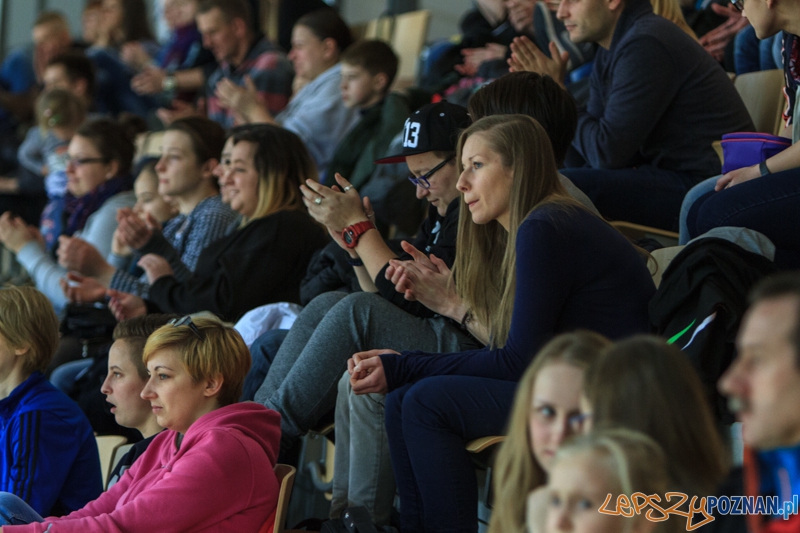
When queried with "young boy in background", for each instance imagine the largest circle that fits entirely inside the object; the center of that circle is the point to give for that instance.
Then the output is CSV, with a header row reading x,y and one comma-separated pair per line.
x,y
368,70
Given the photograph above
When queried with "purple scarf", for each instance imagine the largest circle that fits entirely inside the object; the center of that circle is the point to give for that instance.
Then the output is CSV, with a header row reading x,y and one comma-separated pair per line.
x,y
78,210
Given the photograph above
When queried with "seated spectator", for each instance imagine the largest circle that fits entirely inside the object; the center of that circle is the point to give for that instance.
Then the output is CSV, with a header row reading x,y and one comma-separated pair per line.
x,y
368,70
196,369
752,54
586,470
26,192
412,277
303,375
316,112
645,385
264,260
546,412
184,49
191,150
150,205
153,80
763,386
19,74
740,197
48,456
637,169
90,22
127,377
122,22
99,183
552,108
241,56
515,218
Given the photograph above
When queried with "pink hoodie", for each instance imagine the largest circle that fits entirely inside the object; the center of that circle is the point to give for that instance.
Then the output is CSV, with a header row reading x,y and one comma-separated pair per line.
x,y
221,479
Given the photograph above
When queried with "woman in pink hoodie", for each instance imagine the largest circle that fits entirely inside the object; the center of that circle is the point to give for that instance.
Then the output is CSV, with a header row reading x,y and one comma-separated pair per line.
x,y
212,470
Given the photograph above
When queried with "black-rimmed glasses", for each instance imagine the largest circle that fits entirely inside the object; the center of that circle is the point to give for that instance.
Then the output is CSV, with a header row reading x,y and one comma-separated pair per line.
x,y
738,4
186,321
80,161
422,181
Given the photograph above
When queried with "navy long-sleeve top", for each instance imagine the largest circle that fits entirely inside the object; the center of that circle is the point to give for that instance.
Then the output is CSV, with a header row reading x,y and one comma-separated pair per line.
x,y
656,98
574,271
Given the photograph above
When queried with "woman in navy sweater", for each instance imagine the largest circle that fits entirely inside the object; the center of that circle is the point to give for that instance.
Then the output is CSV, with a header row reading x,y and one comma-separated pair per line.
x,y
531,263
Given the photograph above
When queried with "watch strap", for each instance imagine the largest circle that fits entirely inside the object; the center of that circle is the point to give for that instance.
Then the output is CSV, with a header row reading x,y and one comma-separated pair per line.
x,y
351,234
763,168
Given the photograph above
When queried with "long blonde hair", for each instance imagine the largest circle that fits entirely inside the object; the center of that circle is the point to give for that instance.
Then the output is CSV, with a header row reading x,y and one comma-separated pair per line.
x,y
516,471
671,10
484,267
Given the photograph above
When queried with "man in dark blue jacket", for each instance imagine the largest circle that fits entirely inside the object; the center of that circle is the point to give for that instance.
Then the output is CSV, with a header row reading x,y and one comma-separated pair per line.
x,y
657,102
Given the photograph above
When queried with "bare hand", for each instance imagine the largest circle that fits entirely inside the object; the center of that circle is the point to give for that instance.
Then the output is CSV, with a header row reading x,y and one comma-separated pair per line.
x,y
526,56
134,54
149,81
180,109
133,231
14,233
427,280
244,101
337,209
520,15
125,305
10,185
717,39
78,255
118,246
366,372
735,177
82,289
475,57
155,267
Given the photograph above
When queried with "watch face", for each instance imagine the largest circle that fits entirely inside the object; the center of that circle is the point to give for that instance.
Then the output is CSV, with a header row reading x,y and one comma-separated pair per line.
x,y
348,236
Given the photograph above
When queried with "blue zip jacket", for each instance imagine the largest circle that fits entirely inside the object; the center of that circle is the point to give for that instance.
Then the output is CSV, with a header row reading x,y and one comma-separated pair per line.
x,y
48,453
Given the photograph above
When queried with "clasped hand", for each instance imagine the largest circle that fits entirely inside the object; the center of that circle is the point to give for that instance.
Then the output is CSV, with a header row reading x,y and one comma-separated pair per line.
x,y
366,372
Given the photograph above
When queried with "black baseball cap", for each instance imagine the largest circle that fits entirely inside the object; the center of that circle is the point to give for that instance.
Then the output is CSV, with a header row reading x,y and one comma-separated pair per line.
x,y
432,128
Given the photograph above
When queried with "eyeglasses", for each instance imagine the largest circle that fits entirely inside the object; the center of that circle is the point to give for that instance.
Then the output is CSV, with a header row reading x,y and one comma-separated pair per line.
x,y
422,181
79,162
186,321
738,4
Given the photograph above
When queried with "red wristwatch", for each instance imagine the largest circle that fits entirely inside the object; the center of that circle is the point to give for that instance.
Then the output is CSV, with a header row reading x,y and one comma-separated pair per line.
x,y
350,234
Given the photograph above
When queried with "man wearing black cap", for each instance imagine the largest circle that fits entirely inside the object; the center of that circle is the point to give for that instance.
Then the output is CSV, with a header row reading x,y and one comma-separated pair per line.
x,y
301,383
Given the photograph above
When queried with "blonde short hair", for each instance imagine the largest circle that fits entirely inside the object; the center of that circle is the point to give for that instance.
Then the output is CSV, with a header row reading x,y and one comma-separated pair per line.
x,y
215,349
27,320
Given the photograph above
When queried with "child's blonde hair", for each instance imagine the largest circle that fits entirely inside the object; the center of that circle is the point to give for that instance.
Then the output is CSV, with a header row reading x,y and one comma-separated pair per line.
x,y
59,108
635,462
27,320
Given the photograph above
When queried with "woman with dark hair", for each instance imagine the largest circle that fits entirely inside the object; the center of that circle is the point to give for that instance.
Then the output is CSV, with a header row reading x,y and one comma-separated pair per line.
x,y
99,182
264,260
124,21
191,149
316,112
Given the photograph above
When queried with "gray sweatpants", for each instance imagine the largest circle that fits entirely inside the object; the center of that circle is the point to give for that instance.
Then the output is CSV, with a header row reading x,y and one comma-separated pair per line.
x,y
302,381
